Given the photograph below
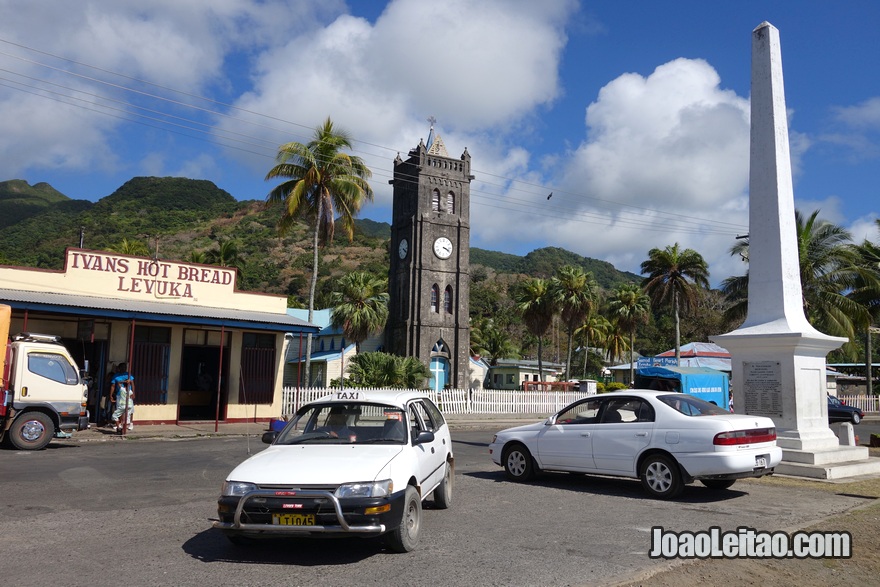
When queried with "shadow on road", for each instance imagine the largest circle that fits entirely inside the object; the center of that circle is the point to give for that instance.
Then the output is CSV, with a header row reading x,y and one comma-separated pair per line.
x,y
211,546
616,486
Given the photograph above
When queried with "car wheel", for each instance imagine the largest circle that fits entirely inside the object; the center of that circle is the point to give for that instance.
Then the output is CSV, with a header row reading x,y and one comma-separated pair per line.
x,y
718,483
661,477
518,463
856,418
405,536
443,492
32,431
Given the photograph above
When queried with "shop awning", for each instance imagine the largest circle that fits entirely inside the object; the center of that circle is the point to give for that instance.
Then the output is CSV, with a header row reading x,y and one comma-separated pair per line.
x,y
62,303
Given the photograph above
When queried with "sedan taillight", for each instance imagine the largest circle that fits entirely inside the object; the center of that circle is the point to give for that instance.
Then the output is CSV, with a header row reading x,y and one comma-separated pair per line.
x,y
745,436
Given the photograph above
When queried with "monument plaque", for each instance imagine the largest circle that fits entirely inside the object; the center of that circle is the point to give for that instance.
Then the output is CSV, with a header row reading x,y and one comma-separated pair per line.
x,y
762,388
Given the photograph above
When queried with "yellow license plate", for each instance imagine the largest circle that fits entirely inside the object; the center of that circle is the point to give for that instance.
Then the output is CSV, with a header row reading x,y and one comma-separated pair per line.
x,y
293,519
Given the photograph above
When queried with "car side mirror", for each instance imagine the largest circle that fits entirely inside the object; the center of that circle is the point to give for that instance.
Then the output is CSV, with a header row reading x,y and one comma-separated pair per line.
x,y
269,437
424,437
550,421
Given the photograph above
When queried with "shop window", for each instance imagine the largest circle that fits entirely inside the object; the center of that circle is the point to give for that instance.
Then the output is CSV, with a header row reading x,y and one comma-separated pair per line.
x,y
257,383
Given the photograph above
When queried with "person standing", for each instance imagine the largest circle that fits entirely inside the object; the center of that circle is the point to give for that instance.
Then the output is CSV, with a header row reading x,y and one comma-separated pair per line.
x,y
122,388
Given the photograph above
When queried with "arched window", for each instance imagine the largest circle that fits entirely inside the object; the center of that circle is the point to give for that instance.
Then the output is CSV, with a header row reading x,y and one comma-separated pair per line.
x,y
447,299
435,200
435,295
450,203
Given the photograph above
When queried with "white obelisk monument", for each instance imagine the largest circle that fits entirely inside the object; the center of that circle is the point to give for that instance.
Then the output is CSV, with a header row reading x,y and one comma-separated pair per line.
x,y
777,357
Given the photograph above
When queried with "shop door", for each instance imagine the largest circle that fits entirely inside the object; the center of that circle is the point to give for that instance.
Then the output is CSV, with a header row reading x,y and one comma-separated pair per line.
x,y
199,372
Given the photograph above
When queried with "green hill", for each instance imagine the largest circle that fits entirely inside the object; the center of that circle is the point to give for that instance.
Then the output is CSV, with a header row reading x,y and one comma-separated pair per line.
x,y
186,218
20,201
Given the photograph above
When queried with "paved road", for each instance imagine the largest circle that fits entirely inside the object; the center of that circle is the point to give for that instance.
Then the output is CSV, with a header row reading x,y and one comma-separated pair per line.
x,y
70,511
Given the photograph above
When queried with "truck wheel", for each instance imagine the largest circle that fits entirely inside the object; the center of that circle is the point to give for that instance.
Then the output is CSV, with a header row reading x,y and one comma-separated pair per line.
x,y
31,431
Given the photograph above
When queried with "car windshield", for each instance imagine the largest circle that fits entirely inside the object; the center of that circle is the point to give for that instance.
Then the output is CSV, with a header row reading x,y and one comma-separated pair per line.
x,y
346,423
691,406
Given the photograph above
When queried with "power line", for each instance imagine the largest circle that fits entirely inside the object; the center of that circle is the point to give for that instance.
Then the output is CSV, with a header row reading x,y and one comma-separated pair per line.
x,y
519,196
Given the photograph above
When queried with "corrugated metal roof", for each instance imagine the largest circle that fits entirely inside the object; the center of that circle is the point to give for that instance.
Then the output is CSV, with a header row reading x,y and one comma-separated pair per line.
x,y
179,313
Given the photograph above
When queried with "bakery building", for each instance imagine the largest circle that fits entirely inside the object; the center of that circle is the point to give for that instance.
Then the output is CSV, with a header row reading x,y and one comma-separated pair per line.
x,y
199,349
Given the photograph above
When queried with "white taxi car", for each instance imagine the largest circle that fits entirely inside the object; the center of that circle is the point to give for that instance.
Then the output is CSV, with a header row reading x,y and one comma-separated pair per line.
x,y
355,463
665,439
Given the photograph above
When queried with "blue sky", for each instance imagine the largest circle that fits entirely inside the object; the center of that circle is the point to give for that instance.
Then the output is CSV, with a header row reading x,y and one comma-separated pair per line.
x,y
634,114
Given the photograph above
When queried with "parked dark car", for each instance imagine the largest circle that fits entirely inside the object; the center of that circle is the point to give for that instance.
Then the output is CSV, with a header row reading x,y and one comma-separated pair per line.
x,y
840,412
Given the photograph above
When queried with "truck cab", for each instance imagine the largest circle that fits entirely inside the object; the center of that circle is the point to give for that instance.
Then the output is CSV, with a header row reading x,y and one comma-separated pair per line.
x,y
43,394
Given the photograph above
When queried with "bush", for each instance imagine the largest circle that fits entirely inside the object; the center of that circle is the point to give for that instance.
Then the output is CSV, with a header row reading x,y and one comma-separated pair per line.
x,y
600,387
615,386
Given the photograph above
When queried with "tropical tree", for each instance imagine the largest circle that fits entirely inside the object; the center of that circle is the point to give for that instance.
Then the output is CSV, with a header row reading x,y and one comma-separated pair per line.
x,y
360,306
375,369
198,257
325,185
494,342
134,248
866,292
616,344
829,273
534,302
225,254
630,307
574,293
596,329
676,278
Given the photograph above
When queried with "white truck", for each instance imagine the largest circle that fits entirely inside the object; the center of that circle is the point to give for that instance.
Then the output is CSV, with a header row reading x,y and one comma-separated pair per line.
x,y
42,392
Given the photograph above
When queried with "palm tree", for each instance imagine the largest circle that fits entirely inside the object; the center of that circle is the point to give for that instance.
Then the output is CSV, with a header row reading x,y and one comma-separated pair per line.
x,y
134,248
384,370
495,343
198,257
225,255
360,306
616,344
574,292
534,301
674,278
630,307
595,328
866,292
324,183
828,271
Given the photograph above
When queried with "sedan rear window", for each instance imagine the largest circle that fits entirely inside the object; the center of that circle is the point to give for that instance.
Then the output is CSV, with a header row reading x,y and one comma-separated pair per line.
x,y
691,406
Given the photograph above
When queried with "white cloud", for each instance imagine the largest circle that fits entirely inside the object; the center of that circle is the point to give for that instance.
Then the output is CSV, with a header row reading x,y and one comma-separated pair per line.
x,y
865,115
181,45
665,160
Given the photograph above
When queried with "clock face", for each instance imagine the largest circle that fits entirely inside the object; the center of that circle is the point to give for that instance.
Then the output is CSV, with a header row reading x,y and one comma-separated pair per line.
x,y
402,248
443,247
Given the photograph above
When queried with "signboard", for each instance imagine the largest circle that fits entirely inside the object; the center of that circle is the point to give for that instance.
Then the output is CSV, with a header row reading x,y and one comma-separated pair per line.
x,y
645,362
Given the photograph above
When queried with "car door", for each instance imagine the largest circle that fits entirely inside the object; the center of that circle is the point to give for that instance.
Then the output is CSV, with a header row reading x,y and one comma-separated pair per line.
x,y
624,430
567,443
431,456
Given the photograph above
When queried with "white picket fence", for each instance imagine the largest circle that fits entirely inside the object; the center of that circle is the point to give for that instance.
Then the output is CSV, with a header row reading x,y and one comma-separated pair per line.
x,y
866,403
459,401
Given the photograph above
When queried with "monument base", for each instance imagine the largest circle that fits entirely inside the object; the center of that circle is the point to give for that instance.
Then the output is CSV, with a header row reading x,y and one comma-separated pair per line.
x,y
842,463
819,438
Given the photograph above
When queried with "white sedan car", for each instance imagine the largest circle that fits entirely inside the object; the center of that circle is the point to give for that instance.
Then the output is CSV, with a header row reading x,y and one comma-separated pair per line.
x,y
665,439
356,463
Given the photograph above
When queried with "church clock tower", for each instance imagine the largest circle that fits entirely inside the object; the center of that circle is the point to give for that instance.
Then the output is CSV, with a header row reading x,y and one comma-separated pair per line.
x,y
429,275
